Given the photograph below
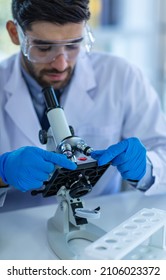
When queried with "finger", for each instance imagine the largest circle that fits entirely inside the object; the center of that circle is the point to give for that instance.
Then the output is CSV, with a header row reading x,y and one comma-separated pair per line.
x,y
59,159
29,185
129,157
135,174
132,164
112,152
21,187
97,154
46,166
120,159
130,175
39,175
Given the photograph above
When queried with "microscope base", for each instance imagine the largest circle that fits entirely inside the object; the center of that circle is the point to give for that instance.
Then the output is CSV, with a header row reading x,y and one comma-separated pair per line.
x,y
59,241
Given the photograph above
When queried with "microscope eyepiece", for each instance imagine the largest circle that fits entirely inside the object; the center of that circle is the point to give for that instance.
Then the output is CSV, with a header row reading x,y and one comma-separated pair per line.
x,y
50,98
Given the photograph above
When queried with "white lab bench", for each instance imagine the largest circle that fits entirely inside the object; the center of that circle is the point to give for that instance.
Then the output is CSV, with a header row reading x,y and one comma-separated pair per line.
x,y
23,232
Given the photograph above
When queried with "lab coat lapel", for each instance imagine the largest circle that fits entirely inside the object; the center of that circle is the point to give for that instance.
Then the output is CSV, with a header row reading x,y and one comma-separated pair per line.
x,y
19,105
80,92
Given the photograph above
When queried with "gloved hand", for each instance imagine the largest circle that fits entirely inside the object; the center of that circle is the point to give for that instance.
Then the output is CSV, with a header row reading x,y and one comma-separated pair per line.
x,y
128,155
28,167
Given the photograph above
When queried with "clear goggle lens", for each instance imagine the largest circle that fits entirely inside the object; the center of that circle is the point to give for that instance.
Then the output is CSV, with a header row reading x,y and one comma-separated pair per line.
x,y
47,52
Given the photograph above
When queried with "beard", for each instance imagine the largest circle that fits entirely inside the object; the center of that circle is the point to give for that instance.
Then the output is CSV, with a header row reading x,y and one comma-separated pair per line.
x,y
39,76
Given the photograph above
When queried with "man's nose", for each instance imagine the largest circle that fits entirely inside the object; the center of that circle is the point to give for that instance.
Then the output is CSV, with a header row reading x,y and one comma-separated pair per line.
x,y
59,62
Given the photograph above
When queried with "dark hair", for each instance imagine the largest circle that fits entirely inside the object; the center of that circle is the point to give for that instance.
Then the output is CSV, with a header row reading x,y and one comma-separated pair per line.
x,y
25,12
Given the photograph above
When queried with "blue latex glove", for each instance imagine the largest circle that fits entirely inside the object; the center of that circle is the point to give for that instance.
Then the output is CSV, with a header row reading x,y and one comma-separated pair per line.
x,y
128,155
28,167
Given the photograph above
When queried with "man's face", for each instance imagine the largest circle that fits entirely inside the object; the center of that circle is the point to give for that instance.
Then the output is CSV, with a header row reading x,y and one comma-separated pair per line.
x,y
58,71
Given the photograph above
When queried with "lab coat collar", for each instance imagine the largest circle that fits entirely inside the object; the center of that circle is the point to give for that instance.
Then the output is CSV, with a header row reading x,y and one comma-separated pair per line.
x,y
19,104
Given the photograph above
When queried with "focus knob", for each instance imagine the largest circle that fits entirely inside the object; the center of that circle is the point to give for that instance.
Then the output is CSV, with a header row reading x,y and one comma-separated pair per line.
x,y
43,136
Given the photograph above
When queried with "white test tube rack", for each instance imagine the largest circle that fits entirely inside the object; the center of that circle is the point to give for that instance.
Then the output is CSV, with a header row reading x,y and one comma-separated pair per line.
x,y
140,237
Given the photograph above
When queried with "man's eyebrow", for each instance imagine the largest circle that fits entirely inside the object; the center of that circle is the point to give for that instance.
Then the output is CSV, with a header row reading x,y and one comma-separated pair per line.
x,y
42,42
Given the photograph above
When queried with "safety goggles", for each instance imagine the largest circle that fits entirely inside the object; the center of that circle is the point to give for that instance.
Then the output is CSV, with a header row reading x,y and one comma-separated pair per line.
x,y
39,51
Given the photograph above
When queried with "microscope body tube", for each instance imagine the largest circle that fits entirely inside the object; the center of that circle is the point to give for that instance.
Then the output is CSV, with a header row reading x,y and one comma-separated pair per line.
x,y
56,116
65,141
59,125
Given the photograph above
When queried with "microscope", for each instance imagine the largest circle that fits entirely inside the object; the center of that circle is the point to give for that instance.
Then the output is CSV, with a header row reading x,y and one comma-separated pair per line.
x,y
71,217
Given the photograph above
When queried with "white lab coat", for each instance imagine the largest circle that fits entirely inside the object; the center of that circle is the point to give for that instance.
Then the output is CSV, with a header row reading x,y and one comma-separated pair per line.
x,y
2,196
108,100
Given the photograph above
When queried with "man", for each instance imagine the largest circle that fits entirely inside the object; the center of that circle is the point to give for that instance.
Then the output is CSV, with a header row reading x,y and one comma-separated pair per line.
x,y
106,100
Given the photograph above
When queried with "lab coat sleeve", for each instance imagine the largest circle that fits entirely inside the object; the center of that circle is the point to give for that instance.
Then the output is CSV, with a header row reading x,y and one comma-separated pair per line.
x,y
3,193
3,190
144,119
158,171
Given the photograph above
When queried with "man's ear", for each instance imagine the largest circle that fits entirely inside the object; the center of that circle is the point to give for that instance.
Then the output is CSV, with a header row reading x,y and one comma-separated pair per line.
x,y
12,30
